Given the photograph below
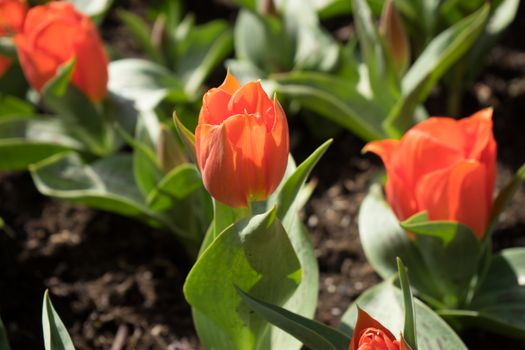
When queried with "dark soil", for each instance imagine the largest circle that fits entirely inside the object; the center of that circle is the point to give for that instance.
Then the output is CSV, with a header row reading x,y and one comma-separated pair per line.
x,y
117,283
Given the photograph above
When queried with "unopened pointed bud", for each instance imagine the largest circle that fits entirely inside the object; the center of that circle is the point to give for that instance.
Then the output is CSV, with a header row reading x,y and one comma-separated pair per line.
x,y
393,32
169,150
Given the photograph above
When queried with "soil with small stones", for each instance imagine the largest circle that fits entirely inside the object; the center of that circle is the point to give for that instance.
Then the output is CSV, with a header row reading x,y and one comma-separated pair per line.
x,y
117,283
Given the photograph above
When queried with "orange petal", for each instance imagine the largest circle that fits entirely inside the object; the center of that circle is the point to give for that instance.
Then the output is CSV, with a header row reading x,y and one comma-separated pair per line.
x,y
230,83
5,63
214,108
364,321
252,99
384,149
443,130
217,163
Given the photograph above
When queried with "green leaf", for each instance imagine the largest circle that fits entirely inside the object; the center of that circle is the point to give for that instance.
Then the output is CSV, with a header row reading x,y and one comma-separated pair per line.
x,y
409,328
239,257
25,140
499,303
433,266
440,54
12,106
144,82
336,99
288,193
444,230
93,8
4,342
273,50
178,183
106,184
200,52
56,336
384,302
505,195
311,333
141,34
77,112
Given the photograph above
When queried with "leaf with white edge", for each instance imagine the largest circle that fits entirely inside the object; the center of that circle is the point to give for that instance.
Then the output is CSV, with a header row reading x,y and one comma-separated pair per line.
x,y
311,333
27,140
336,99
384,302
56,336
144,82
77,112
178,183
106,184
239,257
439,55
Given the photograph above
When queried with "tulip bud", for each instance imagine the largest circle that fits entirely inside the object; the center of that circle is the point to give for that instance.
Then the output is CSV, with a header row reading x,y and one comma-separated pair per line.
x,y
443,166
169,152
55,33
12,15
369,334
241,143
393,32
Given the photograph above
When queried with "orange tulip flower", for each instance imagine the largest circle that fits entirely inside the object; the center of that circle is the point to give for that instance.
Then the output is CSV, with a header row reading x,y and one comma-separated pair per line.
x,y
55,33
241,142
12,15
369,334
444,166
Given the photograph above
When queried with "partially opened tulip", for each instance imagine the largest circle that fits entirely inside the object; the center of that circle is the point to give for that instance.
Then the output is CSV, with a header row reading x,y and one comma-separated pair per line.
x,y
445,167
370,334
12,15
241,143
56,33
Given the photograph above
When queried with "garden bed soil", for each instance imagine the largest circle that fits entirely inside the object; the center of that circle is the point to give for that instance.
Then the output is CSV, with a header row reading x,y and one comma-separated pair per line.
x,y
117,283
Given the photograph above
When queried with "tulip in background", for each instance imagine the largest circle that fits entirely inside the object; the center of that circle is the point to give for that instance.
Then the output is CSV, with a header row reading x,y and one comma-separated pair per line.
x,y
445,167
12,14
56,33
241,143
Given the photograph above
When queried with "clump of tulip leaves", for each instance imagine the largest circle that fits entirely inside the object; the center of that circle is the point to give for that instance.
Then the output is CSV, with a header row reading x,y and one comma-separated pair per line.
x,y
450,269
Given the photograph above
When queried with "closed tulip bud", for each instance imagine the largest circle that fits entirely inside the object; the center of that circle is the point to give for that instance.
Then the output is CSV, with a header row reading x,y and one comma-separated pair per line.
x,y
393,32
12,14
369,334
55,33
445,167
241,143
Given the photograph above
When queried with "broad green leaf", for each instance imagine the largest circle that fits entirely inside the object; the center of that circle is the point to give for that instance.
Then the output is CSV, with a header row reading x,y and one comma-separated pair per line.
x,y
11,106
499,303
433,268
439,55
4,342
56,336
239,257
93,8
142,35
144,82
384,302
311,333
335,99
26,140
77,112
106,184
444,230
409,325
178,183
200,52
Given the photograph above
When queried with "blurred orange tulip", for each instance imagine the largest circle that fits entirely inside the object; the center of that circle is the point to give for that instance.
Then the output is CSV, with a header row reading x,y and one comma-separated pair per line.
x,y
444,166
241,142
12,15
369,334
52,35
